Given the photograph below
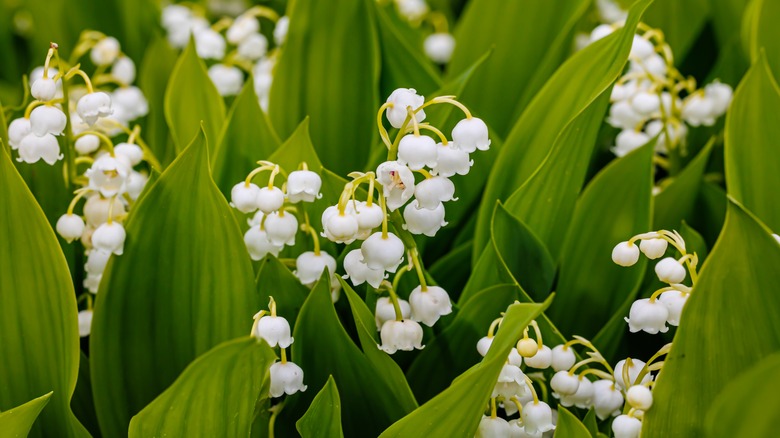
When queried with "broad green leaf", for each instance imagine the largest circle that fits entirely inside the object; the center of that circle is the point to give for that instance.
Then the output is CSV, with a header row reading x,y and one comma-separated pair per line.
x,y
753,391
184,281
246,138
192,101
139,22
590,422
727,19
508,28
453,270
323,418
570,426
710,211
578,82
3,128
275,280
751,151
153,78
745,325
17,422
676,200
341,51
39,351
546,200
457,410
680,21
214,396
616,205
762,31
82,403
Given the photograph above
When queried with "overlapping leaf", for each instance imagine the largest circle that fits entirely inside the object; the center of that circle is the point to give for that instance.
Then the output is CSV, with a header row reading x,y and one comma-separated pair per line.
x,y
323,418
153,78
760,30
17,422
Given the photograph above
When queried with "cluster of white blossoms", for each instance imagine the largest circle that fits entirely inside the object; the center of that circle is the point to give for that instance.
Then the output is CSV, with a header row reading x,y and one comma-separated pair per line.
x,y
666,304
286,377
235,45
654,98
439,43
606,391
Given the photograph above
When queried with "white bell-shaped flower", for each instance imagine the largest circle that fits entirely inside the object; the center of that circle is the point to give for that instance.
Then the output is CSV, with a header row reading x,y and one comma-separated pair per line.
x,y
649,316
281,227
309,266
646,103
564,383
623,116
244,197
430,304
92,282
253,47
563,358
270,199
92,106
340,227
641,48
403,98
44,89
46,119
96,261
698,109
87,144
721,95
129,103
17,131
70,226
517,428
85,322
541,360
275,330
514,358
625,426
135,184
105,51
511,383
132,153
625,90
359,273
280,31
397,182
369,217
670,271
303,186
633,373
583,398
654,65
483,345
243,26
96,209
209,44
286,378
124,70
385,253
417,151
490,427
33,148
629,140
174,15
451,161
674,302
625,254
107,175
607,399
672,134
439,47
537,416
431,192
601,31
258,245
640,397
385,311
653,248
471,134
110,237
403,335
227,78
423,221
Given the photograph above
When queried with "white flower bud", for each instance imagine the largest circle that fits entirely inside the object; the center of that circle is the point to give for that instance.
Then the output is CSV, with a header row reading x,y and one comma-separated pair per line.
x,y
607,399
129,103
470,135
175,15
85,323
670,271
33,148
400,335
563,358
96,210
430,304
92,282
44,89
720,94
270,199
310,266
624,91
281,227
412,10
625,426
537,417
673,133
654,64
450,160
397,182
431,192
629,140
17,131
674,302
516,427
107,175
227,79
623,116
340,227
483,345
490,427
280,31
286,378
510,383
275,330
209,44
646,103
564,383
423,221
699,110
258,245
93,106
641,48
96,261
648,316
124,70
600,32
402,98
385,311
70,226
653,248
528,347
384,253
105,51
303,185
87,144
633,373
253,47
417,151
639,397
132,153
46,119
369,217
625,254
439,47
110,237
541,360
360,273
244,197
514,357
242,28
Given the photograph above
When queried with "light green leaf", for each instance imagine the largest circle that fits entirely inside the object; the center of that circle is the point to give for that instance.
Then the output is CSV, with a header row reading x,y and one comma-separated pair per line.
x,y
751,151
680,21
192,101
17,422
40,343
275,280
153,78
343,113
214,396
675,203
139,22
746,326
761,27
578,82
184,281
457,410
616,205
570,426
323,418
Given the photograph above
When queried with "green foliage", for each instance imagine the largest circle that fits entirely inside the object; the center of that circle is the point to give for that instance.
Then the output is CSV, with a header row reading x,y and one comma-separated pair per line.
x,y
323,418
17,422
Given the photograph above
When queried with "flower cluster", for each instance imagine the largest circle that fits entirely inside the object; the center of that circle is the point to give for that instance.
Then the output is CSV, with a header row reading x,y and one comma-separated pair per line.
x,y
286,377
236,46
666,304
439,43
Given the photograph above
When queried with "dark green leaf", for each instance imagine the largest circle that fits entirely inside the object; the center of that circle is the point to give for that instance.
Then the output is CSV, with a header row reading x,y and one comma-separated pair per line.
x,y
680,21
570,426
275,280
323,418
82,402
676,201
153,78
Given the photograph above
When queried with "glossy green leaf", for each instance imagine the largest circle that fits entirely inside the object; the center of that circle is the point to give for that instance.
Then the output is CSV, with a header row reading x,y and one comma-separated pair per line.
x,y
246,138
153,77
578,82
17,422
751,151
139,21
192,101
676,201
274,279
453,270
616,205
590,422
745,325
457,410
762,31
754,392
569,426
37,311
710,211
184,281
680,21
342,113
214,396
323,418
